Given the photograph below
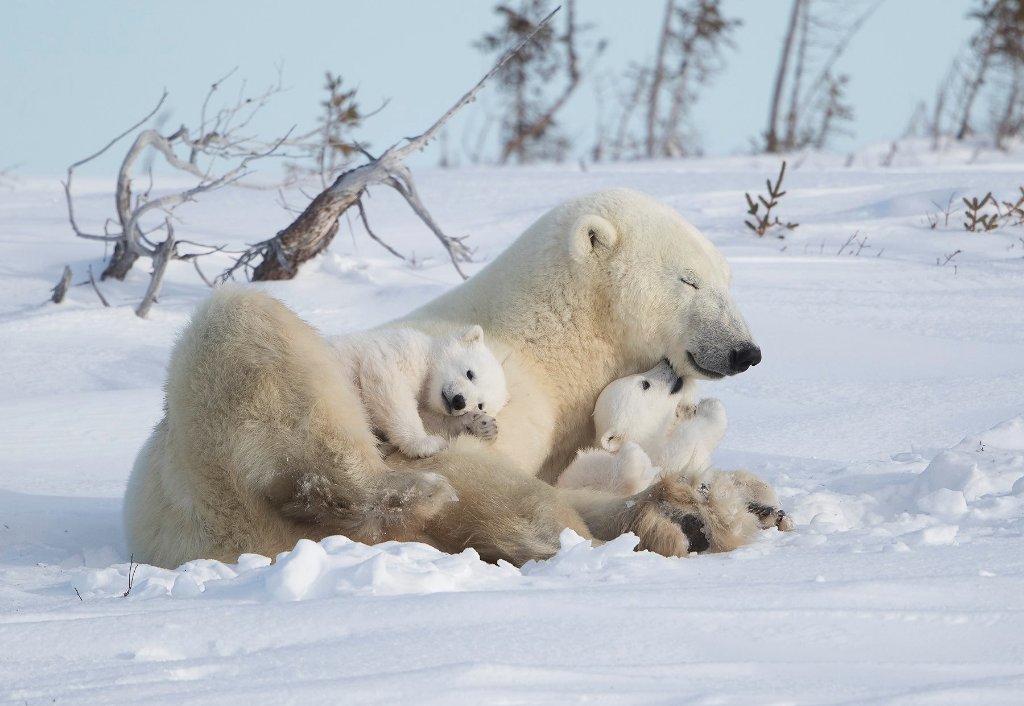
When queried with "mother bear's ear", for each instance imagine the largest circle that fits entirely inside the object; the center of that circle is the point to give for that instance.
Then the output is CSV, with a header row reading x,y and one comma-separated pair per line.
x,y
592,236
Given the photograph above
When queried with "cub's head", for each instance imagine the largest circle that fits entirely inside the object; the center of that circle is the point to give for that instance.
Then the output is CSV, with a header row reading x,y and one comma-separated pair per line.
x,y
661,283
465,376
638,407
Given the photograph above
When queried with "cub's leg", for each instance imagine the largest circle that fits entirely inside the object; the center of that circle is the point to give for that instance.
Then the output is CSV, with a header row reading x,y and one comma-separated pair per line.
x,y
625,472
692,443
393,408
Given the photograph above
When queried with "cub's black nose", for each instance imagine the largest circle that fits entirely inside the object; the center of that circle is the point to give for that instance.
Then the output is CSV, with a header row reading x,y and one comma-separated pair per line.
x,y
459,402
742,357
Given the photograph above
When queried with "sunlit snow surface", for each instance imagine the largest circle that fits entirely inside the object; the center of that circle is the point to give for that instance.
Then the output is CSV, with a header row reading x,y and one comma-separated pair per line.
x,y
887,412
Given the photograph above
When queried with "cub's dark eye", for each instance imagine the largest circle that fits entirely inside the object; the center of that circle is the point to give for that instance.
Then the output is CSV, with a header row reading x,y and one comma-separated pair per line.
x,y
684,280
480,406
470,374
646,385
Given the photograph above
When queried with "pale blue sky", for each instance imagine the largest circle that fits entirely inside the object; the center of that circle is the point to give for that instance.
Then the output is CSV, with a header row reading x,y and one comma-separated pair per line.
x,y
76,73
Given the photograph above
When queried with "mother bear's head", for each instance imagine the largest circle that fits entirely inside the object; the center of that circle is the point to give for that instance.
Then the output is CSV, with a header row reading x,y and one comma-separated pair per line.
x,y
666,285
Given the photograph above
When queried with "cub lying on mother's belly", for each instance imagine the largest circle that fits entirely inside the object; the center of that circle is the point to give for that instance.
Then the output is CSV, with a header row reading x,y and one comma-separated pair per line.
x,y
412,384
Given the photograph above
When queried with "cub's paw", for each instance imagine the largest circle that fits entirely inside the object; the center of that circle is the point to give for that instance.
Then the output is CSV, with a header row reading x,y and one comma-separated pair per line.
x,y
481,425
711,408
424,447
686,411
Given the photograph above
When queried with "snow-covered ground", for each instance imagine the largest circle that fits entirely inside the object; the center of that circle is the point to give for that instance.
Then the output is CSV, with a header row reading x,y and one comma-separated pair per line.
x,y
887,411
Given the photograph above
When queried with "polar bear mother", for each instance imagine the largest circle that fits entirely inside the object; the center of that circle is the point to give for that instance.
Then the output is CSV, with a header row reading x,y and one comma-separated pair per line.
x,y
264,441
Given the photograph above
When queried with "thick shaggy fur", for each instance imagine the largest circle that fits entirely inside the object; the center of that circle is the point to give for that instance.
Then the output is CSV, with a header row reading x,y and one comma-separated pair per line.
x,y
262,443
411,384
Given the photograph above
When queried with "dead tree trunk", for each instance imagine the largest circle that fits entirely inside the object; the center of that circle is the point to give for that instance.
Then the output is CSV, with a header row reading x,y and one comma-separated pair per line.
x,y
793,116
972,93
538,126
657,78
772,134
309,234
61,290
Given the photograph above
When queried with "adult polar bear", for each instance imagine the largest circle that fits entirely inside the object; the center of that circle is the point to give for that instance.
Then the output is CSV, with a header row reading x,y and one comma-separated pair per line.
x,y
264,441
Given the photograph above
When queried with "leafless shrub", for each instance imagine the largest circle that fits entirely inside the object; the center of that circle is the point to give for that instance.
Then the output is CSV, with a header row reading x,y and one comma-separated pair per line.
x,y
976,221
1013,211
132,569
529,128
991,69
815,40
943,214
855,244
217,153
762,222
332,146
660,96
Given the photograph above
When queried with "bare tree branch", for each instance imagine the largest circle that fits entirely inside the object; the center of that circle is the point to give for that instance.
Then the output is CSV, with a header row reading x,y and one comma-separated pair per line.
x,y
164,254
311,233
95,288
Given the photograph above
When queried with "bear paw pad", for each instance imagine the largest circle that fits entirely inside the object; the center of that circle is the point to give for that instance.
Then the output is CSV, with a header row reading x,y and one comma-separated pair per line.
x,y
482,426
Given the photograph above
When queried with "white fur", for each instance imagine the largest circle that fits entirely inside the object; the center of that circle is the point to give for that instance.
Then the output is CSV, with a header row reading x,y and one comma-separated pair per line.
x,y
408,380
647,425
653,412
600,287
264,440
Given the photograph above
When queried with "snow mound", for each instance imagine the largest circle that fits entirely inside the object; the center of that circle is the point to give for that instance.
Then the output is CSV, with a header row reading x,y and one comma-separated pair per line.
x,y
335,565
338,566
978,481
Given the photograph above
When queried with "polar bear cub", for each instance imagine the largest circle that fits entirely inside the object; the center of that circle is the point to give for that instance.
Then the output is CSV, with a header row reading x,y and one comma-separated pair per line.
x,y
420,390
647,424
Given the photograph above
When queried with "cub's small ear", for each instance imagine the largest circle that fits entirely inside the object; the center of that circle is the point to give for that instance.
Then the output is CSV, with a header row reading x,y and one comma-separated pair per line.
x,y
612,441
592,235
474,334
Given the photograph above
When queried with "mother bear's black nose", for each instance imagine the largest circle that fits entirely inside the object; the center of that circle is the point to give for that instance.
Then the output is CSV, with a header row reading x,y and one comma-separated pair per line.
x,y
459,402
742,357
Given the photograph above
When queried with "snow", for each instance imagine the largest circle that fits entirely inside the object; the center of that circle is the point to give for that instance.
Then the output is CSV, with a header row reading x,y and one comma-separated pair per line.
x,y
888,413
